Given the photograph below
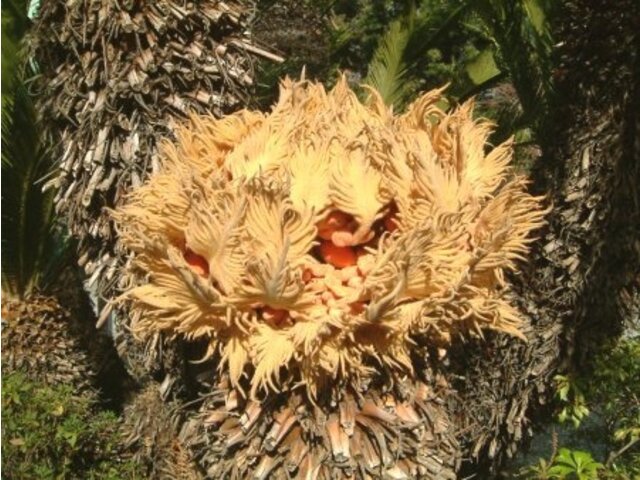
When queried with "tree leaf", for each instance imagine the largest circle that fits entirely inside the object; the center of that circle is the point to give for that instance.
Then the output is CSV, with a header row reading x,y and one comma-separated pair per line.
x,y
482,67
387,70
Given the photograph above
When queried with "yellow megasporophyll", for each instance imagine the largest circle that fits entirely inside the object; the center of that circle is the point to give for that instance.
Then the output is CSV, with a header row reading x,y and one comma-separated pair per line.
x,y
328,237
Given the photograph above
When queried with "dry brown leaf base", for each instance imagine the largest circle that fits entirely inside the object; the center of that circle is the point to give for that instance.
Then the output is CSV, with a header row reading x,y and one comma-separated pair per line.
x,y
36,339
367,435
150,436
114,77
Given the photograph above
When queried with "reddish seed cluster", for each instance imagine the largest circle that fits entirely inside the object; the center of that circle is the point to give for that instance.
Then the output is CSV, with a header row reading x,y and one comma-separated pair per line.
x,y
275,316
338,225
339,257
335,223
338,277
197,262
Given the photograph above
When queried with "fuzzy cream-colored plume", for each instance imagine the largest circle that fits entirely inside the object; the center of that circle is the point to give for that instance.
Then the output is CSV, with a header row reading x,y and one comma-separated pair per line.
x,y
321,240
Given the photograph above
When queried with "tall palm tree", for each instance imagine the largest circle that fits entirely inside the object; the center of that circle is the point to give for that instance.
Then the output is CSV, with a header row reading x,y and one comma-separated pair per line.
x,y
114,79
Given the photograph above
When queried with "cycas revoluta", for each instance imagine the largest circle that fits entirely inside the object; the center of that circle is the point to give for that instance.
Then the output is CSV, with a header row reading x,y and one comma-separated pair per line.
x,y
34,251
40,337
325,252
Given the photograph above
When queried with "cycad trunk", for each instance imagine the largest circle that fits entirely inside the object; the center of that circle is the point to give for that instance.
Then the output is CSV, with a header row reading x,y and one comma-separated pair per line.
x,y
114,79
583,282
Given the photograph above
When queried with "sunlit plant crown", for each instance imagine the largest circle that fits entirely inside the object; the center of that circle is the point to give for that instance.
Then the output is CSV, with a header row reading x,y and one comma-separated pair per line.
x,y
320,241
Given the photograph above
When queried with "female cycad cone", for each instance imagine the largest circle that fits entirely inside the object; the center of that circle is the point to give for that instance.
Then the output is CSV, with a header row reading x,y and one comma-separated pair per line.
x,y
323,249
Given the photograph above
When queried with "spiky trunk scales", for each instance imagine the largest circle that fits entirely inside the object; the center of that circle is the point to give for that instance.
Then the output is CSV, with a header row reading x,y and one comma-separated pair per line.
x,y
115,77
583,283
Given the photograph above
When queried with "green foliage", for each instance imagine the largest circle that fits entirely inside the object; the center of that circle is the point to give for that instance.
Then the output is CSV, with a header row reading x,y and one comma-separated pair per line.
x,y
483,67
403,48
574,464
357,30
425,48
33,252
520,33
612,390
387,69
615,386
432,43
474,46
566,465
50,433
571,401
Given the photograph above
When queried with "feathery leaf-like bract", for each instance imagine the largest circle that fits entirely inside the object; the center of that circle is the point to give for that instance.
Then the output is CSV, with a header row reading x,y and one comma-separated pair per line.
x,y
306,243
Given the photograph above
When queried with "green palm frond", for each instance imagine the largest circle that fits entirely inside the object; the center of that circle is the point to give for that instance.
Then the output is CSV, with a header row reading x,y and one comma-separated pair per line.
x,y
434,21
33,251
517,47
519,29
387,70
397,66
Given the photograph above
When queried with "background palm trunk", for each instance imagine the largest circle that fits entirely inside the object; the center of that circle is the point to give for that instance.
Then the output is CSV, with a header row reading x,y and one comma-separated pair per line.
x,y
114,79
582,283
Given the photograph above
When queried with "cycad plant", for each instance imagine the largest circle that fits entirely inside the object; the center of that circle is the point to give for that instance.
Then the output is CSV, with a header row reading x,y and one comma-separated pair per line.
x,y
36,336
33,250
327,254
521,35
